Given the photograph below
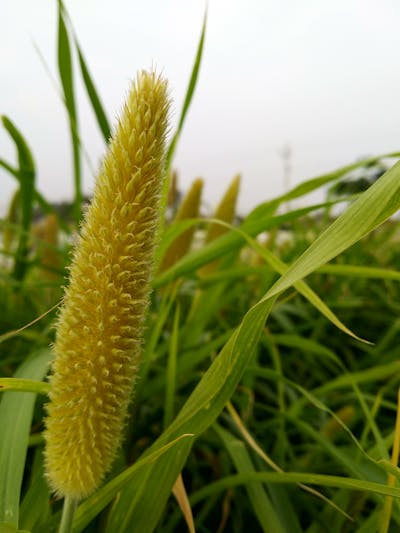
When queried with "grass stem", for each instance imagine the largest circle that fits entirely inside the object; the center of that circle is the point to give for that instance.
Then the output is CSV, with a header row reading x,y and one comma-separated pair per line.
x,y
68,514
387,508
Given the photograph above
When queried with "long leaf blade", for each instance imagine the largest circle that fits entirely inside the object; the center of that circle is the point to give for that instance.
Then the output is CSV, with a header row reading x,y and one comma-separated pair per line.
x,y
94,97
26,177
16,410
66,76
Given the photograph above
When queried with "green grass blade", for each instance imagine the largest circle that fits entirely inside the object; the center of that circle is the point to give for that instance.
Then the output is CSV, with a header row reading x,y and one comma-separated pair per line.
x,y
295,477
66,77
16,411
189,95
24,385
198,413
308,186
347,380
227,243
172,370
372,208
97,106
358,271
26,178
300,286
7,528
13,171
258,497
186,104
311,185
35,509
91,507
151,343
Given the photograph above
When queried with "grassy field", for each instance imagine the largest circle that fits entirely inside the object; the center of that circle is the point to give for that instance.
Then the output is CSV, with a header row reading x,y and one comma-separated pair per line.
x,y
266,398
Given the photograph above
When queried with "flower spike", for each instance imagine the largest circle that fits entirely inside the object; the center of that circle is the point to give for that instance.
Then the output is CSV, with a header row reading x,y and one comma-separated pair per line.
x,y
100,326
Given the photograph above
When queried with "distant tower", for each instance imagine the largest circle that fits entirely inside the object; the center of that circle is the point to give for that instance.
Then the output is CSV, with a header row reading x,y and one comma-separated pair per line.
x,y
286,155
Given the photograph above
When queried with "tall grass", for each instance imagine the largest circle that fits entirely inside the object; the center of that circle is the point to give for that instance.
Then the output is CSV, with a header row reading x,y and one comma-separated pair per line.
x,y
267,395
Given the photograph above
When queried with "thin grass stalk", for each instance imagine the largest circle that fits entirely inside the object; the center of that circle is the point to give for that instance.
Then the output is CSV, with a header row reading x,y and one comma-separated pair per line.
x,y
26,176
68,513
387,507
66,76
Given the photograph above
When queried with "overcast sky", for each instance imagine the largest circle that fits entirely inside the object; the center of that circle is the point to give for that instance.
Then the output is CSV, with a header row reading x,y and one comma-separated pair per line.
x,y
322,76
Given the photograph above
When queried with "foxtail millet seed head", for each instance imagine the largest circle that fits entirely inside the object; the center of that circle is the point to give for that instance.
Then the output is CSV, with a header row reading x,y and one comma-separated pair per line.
x,y
100,325
188,208
225,212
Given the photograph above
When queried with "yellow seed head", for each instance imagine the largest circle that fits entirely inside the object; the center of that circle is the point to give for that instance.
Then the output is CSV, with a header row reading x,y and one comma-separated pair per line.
x,y
226,212
189,208
46,232
332,427
173,189
99,330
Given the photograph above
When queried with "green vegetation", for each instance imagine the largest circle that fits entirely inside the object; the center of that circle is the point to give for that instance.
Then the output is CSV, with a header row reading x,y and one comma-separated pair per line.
x,y
267,397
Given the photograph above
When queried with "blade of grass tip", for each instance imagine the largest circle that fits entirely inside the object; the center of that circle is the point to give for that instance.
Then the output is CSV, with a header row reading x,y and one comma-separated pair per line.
x,y
66,77
387,508
369,211
186,104
300,286
26,177
308,186
97,106
189,94
60,94
179,491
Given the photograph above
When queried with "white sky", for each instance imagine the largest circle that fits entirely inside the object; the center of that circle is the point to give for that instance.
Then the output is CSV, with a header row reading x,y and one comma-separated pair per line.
x,y
320,75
